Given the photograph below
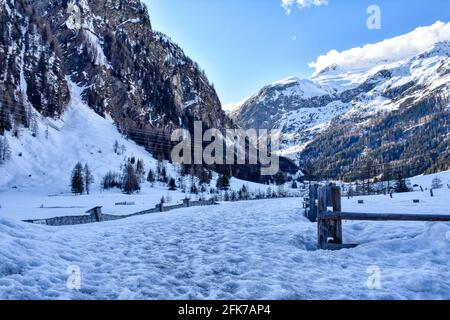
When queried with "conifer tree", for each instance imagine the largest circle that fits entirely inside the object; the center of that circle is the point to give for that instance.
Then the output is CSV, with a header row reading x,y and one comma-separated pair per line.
x,y
88,178
140,170
130,182
400,186
151,176
223,182
77,181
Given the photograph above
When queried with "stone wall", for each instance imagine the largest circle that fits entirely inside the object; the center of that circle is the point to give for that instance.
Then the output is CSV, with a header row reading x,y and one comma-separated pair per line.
x,y
99,217
65,221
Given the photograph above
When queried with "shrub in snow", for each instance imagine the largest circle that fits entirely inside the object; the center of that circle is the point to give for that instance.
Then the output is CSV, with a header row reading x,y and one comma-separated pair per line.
x,y
172,185
437,183
194,189
119,149
243,193
111,180
161,172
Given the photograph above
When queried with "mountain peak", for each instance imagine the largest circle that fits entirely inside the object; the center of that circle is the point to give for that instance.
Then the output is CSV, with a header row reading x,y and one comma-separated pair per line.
x,y
441,48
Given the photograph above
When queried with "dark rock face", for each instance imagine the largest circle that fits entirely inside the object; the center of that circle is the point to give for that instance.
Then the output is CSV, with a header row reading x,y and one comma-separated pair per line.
x,y
31,66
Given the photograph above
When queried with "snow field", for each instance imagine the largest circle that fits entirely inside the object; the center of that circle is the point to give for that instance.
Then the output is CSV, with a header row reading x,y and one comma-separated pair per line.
x,y
243,250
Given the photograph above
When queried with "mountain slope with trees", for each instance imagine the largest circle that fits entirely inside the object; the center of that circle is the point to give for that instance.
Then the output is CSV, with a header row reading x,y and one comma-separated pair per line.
x,y
126,71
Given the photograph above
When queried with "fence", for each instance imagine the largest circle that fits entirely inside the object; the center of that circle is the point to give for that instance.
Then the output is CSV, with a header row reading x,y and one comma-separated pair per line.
x,y
310,203
330,217
96,215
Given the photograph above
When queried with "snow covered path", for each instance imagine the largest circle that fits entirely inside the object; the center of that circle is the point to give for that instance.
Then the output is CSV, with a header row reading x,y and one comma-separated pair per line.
x,y
245,250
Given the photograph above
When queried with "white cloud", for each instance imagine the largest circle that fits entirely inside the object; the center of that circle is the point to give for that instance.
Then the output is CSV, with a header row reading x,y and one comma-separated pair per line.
x,y
392,50
288,4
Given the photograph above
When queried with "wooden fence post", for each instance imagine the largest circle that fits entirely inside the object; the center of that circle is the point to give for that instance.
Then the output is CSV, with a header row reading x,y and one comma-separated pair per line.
x,y
329,231
322,226
337,207
312,212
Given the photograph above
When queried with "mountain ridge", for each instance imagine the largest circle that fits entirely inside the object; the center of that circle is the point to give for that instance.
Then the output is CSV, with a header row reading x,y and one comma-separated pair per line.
x,y
353,99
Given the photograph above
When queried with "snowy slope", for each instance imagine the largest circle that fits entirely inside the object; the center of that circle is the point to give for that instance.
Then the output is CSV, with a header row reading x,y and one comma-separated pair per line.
x,y
245,250
426,180
403,202
80,135
295,86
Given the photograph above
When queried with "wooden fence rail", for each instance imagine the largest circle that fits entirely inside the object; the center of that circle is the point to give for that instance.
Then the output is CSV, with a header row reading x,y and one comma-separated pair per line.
x,y
330,216
385,217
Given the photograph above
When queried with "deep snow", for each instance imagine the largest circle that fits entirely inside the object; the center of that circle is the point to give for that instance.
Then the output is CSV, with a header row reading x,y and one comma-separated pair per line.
x,y
244,250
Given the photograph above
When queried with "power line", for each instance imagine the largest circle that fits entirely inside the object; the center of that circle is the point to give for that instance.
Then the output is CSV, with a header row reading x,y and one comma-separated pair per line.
x,y
153,137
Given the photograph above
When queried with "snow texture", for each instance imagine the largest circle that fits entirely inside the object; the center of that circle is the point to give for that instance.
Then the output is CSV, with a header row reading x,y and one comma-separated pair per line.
x,y
244,250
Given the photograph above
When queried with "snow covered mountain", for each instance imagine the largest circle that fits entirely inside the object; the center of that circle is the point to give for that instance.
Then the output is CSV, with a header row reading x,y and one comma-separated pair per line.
x,y
341,118
128,71
105,56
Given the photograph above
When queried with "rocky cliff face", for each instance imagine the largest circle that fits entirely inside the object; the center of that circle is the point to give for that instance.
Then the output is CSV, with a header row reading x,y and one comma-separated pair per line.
x,y
31,67
127,71
345,123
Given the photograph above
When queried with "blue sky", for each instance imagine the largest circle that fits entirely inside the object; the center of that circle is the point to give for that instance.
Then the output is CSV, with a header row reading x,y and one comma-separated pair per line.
x,y
246,44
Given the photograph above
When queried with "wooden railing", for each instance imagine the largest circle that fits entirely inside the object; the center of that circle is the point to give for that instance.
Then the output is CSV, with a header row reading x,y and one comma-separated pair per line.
x,y
330,217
